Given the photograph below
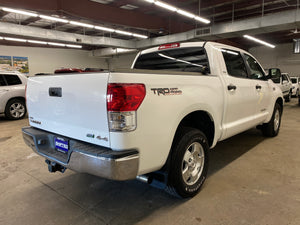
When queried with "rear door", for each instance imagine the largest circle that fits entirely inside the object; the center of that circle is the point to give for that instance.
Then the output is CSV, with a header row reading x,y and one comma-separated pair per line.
x,y
70,105
241,95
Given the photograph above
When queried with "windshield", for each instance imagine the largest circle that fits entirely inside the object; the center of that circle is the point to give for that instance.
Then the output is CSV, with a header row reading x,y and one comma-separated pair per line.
x,y
294,80
191,59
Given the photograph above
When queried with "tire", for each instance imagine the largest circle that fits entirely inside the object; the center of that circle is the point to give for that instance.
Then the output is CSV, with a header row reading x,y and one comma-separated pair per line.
x,y
297,93
288,97
189,164
271,129
15,109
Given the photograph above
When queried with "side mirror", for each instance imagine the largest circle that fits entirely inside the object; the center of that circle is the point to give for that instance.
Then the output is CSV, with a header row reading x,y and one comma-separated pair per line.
x,y
274,73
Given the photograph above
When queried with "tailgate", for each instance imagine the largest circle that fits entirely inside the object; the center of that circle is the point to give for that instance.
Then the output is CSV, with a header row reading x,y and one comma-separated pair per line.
x,y
71,105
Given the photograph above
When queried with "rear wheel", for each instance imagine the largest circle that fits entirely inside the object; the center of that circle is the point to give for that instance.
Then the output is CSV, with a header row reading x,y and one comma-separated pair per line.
x,y
297,93
271,129
15,109
189,164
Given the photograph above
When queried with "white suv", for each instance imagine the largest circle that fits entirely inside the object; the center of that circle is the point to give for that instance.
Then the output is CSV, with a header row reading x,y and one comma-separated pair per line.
x,y
12,95
295,82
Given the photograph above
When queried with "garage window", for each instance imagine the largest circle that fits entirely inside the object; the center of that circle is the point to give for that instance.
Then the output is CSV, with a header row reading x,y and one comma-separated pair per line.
x,y
12,79
2,81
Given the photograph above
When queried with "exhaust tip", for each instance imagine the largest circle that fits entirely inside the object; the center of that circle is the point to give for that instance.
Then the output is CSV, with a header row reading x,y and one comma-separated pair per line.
x,y
144,179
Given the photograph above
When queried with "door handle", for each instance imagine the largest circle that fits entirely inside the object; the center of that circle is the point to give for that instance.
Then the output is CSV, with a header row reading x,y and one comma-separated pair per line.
x,y
258,87
231,87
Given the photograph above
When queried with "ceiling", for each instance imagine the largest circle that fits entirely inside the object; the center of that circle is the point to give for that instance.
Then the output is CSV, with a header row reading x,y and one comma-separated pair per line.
x,y
144,18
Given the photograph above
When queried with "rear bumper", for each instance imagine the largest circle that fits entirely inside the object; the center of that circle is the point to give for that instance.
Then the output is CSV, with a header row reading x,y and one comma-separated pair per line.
x,y
83,157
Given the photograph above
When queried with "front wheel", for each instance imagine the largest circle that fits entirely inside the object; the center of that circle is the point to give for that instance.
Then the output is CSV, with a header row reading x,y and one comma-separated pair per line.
x,y
189,163
271,129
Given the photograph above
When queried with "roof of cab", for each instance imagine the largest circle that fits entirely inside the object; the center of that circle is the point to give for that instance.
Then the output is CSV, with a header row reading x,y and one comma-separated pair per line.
x,y
189,44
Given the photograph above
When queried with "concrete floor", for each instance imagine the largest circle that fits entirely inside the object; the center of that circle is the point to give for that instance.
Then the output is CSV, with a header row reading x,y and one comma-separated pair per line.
x,y
252,180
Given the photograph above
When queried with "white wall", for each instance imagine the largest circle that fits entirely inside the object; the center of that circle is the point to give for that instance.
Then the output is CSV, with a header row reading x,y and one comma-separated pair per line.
x,y
281,57
46,60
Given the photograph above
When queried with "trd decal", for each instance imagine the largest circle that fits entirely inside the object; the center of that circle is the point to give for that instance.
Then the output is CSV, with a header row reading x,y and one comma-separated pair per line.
x,y
166,91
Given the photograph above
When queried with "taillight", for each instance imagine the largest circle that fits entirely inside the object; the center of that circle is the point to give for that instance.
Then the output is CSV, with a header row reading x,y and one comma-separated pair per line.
x,y
125,97
122,102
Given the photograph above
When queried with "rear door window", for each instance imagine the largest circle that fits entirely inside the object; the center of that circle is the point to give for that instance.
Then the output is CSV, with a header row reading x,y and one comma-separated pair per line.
x,y
12,79
234,63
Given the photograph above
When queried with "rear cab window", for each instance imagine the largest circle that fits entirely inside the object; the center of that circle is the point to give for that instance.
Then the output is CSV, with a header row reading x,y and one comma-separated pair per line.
x,y
185,59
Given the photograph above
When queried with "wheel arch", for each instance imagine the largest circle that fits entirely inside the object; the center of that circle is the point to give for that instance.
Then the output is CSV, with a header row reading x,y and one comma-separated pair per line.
x,y
17,97
198,119
201,120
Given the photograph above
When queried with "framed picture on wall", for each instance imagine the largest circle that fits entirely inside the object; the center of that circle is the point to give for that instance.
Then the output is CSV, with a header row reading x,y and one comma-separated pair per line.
x,y
5,63
21,64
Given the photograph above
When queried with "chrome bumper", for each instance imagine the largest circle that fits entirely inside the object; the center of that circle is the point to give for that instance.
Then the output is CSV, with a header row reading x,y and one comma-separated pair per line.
x,y
83,157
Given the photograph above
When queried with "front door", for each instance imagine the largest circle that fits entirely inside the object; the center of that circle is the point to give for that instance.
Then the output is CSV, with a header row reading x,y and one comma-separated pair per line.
x,y
263,89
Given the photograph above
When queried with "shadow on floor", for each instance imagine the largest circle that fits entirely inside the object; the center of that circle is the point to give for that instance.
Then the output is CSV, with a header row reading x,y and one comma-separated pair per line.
x,y
108,202
229,150
112,202
3,119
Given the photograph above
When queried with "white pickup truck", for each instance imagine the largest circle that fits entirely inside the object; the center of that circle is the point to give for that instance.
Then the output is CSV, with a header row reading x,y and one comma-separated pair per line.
x,y
156,121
